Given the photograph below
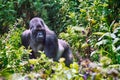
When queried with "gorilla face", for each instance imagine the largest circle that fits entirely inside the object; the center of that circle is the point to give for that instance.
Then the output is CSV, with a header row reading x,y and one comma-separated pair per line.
x,y
37,28
39,35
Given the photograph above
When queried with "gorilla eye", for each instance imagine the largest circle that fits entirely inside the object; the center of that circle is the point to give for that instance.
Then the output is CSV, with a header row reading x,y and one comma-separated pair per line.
x,y
38,26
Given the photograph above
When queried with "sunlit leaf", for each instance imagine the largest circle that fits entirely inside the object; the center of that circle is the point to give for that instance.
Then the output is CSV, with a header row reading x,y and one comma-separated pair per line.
x,y
82,10
85,45
105,35
76,28
72,15
99,33
105,61
68,74
115,40
33,61
61,59
101,42
118,48
94,52
113,35
74,65
117,30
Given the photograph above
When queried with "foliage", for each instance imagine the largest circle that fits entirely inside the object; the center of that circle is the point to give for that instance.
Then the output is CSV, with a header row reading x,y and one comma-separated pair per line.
x,y
77,38
12,62
15,64
108,45
27,9
93,18
6,9
58,14
10,51
91,27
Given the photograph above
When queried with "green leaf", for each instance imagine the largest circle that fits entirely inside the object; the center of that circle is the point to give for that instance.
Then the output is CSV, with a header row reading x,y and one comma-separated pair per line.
x,y
116,40
74,66
118,49
33,61
102,42
105,35
84,45
99,33
94,52
68,74
113,35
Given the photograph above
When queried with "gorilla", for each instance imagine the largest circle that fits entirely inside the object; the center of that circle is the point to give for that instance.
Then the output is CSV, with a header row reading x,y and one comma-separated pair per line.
x,y
40,37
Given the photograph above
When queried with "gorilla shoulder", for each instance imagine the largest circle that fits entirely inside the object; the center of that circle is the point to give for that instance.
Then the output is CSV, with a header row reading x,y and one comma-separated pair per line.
x,y
25,38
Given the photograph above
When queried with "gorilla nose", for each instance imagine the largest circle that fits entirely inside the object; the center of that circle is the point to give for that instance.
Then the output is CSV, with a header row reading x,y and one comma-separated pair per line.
x,y
40,35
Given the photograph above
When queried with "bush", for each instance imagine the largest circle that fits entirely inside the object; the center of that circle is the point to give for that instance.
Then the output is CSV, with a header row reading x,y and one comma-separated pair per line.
x,y
91,27
108,45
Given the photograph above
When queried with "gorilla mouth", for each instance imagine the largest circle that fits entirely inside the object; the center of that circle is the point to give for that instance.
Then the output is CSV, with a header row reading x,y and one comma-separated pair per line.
x,y
39,39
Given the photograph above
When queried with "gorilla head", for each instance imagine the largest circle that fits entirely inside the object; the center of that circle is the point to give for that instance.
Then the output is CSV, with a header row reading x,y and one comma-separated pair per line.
x,y
37,23
37,29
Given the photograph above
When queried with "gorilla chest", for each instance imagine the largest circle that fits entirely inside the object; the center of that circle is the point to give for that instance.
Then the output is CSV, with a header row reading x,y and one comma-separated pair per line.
x,y
36,47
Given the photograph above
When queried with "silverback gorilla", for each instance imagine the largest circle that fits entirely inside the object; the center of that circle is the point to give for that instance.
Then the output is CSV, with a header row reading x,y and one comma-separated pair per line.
x,y
40,37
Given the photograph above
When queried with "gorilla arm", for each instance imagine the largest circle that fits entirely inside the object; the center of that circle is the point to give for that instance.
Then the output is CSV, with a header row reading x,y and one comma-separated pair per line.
x,y
51,45
25,38
65,52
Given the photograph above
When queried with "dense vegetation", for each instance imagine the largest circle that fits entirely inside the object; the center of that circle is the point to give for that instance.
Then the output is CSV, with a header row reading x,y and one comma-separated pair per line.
x,y
91,27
